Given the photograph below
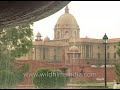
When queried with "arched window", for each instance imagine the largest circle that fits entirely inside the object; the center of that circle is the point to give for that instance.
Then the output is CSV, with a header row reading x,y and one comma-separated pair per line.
x,y
66,35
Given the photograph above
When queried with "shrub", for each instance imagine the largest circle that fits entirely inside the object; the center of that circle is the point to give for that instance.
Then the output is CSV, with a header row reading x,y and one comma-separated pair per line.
x,y
46,79
117,71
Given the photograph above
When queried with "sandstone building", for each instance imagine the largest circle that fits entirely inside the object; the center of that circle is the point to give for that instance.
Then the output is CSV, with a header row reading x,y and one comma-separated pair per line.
x,y
69,50
68,44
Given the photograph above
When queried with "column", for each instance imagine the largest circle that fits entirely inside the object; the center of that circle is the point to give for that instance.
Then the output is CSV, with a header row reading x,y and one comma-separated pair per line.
x,y
84,50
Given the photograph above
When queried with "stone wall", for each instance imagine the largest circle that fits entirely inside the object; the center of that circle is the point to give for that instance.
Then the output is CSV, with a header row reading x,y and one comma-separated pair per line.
x,y
81,74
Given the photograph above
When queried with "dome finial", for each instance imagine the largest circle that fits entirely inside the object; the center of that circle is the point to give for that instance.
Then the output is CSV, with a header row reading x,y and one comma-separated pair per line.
x,y
66,9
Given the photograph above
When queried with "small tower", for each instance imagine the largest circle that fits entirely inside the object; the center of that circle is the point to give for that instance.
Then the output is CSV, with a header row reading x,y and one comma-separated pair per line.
x,y
38,37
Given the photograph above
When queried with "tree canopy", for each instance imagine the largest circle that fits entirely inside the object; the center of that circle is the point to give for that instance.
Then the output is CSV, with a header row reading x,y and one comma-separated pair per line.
x,y
14,42
17,40
117,65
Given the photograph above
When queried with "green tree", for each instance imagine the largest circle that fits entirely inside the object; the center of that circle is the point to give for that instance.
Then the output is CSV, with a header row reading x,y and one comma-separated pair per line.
x,y
14,42
46,79
10,74
117,65
18,40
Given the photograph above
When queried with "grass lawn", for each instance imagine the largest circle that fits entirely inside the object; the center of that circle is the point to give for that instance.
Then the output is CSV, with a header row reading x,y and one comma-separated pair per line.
x,y
109,84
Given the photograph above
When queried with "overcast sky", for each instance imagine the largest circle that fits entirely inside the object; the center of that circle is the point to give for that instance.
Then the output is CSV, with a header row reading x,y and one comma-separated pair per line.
x,y
95,18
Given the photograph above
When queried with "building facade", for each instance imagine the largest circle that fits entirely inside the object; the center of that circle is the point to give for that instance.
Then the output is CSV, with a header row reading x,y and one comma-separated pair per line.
x,y
69,50
66,37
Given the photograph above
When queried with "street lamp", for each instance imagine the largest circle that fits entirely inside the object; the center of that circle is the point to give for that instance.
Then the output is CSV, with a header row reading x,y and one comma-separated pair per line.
x,y
105,39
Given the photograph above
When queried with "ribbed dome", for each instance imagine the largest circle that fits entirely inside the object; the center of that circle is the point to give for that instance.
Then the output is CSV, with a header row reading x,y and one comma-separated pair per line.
x,y
74,49
46,39
66,20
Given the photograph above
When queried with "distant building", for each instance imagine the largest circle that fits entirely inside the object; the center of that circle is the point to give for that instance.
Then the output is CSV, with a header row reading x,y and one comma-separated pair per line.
x,y
70,51
66,37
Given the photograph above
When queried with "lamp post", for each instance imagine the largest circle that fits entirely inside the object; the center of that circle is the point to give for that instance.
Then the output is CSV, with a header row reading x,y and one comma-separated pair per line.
x,y
105,39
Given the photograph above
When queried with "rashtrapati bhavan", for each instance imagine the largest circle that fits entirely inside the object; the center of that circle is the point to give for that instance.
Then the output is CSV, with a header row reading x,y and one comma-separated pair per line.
x,y
69,50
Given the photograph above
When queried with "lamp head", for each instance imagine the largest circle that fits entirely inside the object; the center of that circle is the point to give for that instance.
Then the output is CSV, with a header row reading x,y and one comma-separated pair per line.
x,y
105,39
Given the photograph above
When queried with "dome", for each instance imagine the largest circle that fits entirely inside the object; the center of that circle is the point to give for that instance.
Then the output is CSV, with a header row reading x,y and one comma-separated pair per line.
x,y
46,39
38,34
67,20
74,49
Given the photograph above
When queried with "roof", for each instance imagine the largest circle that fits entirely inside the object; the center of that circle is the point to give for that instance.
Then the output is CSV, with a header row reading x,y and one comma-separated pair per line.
x,y
14,13
51,43
81,40
92,40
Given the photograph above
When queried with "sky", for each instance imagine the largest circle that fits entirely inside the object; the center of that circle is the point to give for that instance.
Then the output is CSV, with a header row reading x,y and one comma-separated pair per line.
x,y
95,18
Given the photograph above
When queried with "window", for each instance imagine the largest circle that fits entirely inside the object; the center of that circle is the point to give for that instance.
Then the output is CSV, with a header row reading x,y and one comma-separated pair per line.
x,y
108,55
54,57
114,55
114,47
98,55
54,54
43,53
55,51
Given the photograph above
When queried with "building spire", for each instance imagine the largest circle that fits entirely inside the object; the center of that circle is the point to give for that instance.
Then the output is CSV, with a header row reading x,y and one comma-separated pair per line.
x,y
38,37
66,9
